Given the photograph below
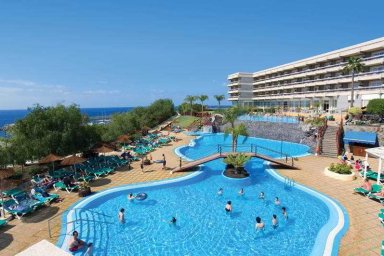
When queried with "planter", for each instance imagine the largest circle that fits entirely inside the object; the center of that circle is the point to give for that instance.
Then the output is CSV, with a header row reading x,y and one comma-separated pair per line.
x,y
337,176
83,192
146,162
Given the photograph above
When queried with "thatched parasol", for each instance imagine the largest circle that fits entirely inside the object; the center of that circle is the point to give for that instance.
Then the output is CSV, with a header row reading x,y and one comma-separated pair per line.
x,y
72,160
4,173
103,149
124,139
50,159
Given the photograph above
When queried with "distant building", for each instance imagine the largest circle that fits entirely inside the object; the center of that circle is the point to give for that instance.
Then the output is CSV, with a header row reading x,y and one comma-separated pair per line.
x,y
315,81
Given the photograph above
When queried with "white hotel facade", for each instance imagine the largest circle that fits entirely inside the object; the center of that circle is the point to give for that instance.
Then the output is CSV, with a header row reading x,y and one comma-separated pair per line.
x,y
315,81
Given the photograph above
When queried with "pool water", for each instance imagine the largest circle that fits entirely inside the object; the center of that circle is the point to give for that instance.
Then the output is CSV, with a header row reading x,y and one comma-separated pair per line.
x,y
203,227
273,119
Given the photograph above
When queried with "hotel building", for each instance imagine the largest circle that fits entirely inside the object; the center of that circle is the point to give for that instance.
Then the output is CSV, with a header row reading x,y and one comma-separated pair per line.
x,y
316,81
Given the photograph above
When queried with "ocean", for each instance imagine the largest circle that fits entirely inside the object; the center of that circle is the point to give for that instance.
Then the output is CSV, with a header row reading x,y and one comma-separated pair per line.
x,y
11,116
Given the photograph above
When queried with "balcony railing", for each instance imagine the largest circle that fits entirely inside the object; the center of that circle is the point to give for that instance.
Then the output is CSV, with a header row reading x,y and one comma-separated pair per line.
x,y
315,69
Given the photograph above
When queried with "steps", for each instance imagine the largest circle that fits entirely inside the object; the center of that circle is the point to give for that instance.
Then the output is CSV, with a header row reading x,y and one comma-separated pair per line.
x,y
329,145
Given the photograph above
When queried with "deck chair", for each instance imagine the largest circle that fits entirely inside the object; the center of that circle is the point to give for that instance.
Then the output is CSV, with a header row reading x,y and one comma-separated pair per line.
x,y
375,189
60,185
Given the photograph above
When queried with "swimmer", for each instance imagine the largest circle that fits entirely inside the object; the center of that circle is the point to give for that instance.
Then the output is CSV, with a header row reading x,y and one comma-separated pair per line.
x,y
173,221
259,224
277,201
261,195
131,197
228,207
241,192
121,215
275,223
75,243
220,191
284,212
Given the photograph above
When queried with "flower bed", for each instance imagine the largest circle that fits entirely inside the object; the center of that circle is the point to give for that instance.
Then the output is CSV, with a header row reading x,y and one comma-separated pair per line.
x,y
340,172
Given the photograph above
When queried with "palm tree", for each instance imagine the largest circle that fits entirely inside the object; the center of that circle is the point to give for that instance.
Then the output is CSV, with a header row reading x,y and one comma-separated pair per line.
x,y
355,66
202,98
231,114
319,123
191,99
236,131
219,98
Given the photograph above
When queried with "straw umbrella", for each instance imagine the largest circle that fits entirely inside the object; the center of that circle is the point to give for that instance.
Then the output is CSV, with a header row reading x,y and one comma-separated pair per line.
x,y
51,158
124,139
72,160
4,173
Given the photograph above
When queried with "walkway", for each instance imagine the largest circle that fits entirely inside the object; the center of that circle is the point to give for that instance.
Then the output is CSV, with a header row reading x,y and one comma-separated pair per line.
x,y
225,154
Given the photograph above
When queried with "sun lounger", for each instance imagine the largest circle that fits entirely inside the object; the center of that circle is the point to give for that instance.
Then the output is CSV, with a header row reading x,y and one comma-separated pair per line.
x,y
19,209
62,186
3,222
45,200
375,189
376,197
11,192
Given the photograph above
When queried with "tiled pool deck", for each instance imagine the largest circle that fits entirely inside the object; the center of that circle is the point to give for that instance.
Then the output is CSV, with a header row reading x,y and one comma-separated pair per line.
x,y
363,237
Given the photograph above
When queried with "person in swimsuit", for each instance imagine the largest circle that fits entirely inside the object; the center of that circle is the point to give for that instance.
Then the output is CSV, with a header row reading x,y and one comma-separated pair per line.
x,y
131,197
220,191
241,192
284,212
121,215
259,224
173,221
277,201
75,243
228,207
261,195
275,223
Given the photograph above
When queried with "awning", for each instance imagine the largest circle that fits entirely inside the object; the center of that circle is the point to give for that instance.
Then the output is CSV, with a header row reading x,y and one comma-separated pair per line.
x,y
360,137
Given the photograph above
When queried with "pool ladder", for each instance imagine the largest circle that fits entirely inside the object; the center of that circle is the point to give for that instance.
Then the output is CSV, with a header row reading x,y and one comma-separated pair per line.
x,y
288,182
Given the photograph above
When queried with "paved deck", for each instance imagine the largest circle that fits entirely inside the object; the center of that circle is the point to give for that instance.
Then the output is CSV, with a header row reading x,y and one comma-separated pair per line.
x,y
363,237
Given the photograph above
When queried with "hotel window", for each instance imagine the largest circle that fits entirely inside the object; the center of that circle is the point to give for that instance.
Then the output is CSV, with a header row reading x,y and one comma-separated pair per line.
x,y
378,53
375,83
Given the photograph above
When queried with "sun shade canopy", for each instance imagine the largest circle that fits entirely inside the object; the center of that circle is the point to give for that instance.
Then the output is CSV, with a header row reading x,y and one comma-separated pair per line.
x,y
360,137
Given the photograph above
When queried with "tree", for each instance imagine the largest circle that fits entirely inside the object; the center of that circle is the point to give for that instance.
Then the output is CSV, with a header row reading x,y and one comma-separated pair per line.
x,y
236,131
202,98
237,160
59,130
376,107
219,98
231,114
190,99
319,124
353,66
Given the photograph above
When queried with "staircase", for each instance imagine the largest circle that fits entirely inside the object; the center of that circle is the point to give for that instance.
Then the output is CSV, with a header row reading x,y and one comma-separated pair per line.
x,y
329,145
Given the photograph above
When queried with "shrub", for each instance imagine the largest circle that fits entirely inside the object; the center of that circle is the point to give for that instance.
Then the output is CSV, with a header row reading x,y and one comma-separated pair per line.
x,y
341,168
376,106
355,111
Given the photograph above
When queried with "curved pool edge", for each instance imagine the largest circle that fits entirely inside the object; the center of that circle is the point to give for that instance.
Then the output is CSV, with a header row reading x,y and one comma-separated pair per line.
x,y
70,217
328,239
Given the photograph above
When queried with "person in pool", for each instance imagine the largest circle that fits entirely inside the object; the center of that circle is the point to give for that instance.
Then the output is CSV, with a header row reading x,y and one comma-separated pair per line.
x,y
241,192
173,221
277,201
228,207
121,215
275,223
75,243
220,191
131,197
284,212
259,224
261,195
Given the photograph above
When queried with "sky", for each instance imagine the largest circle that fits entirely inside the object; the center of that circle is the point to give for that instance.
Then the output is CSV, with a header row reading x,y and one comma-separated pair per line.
x,y
130,53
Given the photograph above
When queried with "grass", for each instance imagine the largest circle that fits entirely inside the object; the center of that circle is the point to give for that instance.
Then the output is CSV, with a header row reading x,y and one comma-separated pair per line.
x,y
185,121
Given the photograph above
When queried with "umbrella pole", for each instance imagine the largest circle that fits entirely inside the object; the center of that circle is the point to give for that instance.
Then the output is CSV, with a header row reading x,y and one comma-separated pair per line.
x,y
2,199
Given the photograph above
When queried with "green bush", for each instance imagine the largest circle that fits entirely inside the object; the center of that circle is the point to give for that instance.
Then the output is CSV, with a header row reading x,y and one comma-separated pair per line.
x,y
376,106
341,168
355,111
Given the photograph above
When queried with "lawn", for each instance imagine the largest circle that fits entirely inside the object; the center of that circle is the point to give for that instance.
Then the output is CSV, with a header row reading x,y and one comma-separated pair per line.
x,y
185,121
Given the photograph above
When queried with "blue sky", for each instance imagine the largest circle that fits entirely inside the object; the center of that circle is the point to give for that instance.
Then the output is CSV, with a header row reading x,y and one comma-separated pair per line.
x,y
129,53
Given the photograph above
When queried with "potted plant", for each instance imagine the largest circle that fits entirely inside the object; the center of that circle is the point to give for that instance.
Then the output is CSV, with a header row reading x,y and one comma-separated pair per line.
x,y
235,165
146,161
340,171
84,189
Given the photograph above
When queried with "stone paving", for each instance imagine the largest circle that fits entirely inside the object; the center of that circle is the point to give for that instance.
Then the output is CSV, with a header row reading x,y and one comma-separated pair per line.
x,y
362,238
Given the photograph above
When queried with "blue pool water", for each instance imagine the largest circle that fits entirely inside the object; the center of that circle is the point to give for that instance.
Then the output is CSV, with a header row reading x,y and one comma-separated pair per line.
x,y
203,227
274,119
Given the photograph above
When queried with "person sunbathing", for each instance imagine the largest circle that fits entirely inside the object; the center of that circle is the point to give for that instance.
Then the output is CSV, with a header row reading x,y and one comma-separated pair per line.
x,y
381,193
367,185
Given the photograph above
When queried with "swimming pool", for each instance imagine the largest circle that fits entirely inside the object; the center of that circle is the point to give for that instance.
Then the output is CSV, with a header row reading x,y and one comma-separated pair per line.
x,y
203,227
273,119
